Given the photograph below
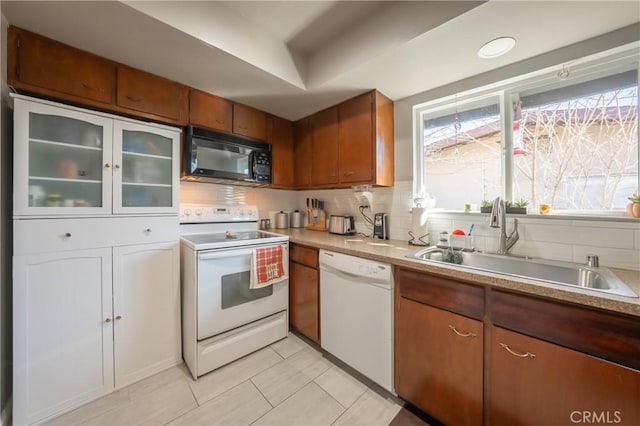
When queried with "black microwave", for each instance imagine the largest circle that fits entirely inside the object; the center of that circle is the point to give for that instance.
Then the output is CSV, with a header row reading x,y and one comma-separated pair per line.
x,y
211,156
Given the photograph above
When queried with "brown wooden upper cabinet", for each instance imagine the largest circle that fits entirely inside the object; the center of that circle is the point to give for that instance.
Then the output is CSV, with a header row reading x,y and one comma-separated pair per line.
x,y
280,136
324,147
210,111
366,140
149,94
303,152
41,65
249,122
350,144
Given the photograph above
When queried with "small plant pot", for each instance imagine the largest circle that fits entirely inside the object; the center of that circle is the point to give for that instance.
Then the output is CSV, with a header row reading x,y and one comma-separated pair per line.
x,y
485,209
633,209
517,210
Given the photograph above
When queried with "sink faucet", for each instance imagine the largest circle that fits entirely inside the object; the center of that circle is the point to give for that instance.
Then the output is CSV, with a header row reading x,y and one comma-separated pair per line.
x,y
499,220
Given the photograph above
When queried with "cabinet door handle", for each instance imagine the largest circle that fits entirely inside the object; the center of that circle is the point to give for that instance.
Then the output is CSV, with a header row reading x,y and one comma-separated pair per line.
x,y
348,173
107,320
116,166
469,334
242,127
133,98
148,230
220,121
67,234
107,165
119,317
86,86
514,353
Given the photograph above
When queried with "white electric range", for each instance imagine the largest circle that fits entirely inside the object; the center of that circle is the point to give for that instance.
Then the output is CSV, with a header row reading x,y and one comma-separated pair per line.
x,y
222,318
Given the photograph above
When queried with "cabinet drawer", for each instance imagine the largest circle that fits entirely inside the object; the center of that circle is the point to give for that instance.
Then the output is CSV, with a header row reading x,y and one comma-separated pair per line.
x,y
305,255
141,230
50,235
441,292
584,329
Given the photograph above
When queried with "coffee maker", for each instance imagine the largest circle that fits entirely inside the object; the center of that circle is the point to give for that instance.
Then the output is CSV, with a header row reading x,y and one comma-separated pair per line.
x,y
380,226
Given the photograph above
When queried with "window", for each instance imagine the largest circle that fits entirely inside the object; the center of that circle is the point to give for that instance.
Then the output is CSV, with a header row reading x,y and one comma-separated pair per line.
x,y
462,153
578,146
571,142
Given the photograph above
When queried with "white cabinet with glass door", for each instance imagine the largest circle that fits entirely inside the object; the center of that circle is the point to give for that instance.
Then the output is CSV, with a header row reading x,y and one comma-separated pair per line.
x,y
70,161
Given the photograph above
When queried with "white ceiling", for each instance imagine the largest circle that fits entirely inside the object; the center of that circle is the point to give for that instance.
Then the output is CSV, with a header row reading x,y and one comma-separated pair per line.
x,y
293,58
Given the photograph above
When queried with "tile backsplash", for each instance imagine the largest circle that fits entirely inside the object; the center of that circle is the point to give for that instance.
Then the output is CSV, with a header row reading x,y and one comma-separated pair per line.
x,y
617,243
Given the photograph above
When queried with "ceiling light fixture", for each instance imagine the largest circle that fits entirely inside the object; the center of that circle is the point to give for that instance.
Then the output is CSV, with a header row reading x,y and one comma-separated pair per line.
x,y
496,47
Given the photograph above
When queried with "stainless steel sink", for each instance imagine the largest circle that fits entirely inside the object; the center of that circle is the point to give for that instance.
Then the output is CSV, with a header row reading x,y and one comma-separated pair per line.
x,y
572,274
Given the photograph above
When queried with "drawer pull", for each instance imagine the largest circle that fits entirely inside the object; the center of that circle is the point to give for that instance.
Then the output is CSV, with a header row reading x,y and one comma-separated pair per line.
x,y
116,166
220,121
469,334
106,166
119,317
512,352
148,230
107,320
134,99
67,234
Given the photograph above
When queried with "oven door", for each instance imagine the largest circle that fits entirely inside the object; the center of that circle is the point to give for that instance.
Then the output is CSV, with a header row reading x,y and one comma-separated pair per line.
x,y
225,300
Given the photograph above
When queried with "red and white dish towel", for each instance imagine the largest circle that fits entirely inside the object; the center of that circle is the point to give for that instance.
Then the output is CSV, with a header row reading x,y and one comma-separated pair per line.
x,y
267,267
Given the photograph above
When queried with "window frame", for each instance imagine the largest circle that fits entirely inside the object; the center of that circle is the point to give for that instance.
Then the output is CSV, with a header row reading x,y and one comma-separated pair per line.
x,y
588,68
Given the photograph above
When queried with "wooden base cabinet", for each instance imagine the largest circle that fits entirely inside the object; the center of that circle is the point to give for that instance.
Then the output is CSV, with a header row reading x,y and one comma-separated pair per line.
x,y
304,291
439,362
524,360
533,382
438,354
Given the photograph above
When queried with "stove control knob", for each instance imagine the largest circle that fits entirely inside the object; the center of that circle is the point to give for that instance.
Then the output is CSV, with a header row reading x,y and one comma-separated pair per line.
x,y
198,212
187,212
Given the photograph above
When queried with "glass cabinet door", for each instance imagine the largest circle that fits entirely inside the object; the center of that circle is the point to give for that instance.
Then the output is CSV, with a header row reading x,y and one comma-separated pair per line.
x,y
62,161
146,168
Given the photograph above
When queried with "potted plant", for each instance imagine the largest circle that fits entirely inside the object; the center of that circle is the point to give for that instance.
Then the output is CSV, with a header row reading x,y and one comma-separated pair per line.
x,y
518,207
486,206
633,208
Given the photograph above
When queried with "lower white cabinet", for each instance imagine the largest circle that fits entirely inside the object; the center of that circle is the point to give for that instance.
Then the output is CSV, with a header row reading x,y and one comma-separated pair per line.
x,y
146,309
62,342
90,320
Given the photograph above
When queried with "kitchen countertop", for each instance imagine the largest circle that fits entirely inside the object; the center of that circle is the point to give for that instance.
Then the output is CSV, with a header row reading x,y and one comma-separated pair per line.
x,y
395,251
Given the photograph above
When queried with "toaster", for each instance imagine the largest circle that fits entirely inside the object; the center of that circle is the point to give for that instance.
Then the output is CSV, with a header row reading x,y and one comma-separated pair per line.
x,y
342,225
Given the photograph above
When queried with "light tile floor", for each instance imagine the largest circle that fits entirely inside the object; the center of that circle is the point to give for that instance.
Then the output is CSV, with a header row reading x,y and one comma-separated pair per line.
x,y
287,383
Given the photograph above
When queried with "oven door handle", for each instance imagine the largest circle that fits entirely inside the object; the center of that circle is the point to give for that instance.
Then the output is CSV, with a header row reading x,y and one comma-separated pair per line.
x,y
231,253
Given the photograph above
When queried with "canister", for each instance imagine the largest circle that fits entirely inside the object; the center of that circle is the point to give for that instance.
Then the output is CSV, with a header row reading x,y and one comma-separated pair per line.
x,y
297,218
282,220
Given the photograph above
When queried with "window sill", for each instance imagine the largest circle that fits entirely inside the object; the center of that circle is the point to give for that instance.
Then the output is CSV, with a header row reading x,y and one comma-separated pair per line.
x,y
598,217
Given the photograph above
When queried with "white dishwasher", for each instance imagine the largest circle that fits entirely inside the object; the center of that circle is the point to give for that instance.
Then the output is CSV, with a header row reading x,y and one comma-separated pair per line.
x,y
356,314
